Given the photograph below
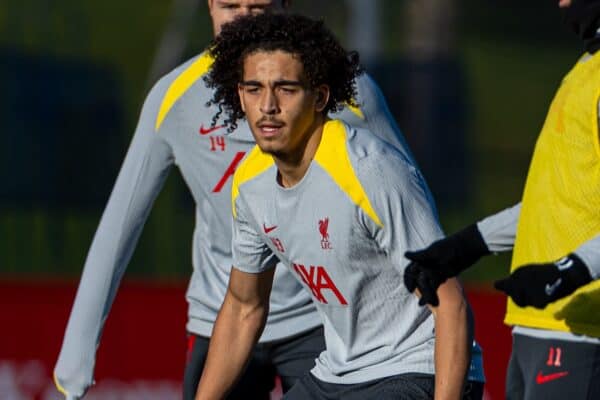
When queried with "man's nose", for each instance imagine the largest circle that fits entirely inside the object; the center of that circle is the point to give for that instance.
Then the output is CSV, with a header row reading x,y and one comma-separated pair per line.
x,y
243,11
268,103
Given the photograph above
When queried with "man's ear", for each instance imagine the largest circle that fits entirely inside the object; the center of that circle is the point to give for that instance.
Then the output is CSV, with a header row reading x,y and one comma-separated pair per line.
x,y
241,95
322,97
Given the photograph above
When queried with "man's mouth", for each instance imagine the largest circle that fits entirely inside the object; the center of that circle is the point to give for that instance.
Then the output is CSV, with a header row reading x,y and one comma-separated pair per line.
x,y
269,129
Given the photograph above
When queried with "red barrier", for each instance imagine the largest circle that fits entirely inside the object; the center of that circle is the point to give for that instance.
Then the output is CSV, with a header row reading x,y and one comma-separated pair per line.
x,y
143,347
494,337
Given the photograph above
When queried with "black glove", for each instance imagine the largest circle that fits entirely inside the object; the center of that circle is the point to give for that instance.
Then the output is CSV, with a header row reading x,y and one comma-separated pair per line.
x,y
443,259
538,285
425,280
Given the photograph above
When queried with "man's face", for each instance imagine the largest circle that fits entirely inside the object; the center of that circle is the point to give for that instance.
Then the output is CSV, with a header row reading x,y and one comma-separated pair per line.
x,y
223,11
281,109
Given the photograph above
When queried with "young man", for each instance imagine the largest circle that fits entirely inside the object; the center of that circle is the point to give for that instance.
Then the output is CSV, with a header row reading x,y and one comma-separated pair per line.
x,y
554,234
175,130
338,207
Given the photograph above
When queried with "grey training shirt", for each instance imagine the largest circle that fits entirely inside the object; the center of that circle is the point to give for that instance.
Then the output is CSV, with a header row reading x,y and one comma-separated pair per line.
x,y
342,231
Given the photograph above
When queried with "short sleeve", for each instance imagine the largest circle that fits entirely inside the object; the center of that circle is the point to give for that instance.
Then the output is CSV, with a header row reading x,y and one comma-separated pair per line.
x,y
406,210
589,252
250,251
499,230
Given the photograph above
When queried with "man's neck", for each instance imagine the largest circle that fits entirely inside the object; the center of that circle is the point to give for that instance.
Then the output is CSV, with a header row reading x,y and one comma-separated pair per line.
x,y
293,167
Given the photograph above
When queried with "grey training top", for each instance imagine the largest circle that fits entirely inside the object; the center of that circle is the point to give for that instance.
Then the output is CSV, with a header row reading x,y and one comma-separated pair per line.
x,y
343,230
174,129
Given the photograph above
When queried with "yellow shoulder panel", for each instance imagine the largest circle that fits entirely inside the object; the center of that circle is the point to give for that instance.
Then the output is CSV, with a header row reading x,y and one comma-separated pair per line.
x,y
255,164
181,84
332,156
355,110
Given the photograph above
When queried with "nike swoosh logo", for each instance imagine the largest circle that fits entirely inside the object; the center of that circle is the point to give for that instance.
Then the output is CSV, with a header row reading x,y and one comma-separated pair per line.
x,y
551,288
206,131
269,229
540,379
564,263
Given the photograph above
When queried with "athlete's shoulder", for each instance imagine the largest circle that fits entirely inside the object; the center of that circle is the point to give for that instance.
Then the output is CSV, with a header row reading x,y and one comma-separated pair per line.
x,y
334,156
366,87
255,163
368,100
166,81
189,70
250,168
376,161
369,96
386,175
174,85
362,143
341,138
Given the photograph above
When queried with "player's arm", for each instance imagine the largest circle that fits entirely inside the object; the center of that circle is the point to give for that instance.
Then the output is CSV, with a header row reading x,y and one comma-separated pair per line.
x,y
453,338
140,179
239,324
408,220
589,253
448,257
538,285
244,310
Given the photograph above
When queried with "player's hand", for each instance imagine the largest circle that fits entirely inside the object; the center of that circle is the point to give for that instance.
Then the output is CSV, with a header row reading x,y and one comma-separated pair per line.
x,y
443,259
538,285
425,282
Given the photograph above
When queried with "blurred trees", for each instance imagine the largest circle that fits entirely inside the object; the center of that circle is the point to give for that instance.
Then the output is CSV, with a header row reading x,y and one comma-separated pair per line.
x,y
483,70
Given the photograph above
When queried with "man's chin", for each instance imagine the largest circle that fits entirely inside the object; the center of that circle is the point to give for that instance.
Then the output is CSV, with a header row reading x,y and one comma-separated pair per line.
x,y
273,151
267,146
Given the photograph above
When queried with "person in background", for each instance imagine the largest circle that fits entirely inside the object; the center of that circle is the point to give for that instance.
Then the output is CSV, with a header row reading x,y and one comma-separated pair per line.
x,y
554,233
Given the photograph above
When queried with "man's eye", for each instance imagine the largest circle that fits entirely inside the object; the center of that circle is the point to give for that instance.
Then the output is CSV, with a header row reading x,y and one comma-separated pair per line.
x,y
285,89
251,89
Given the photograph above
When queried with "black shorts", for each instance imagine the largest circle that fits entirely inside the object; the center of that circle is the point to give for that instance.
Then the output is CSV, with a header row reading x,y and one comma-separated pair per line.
x,y
553,369
289,359
403,387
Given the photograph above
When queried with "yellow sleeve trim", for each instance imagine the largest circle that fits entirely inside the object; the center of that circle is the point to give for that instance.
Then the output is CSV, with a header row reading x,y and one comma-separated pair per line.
x,y
59,387
255,164
332,156
181,84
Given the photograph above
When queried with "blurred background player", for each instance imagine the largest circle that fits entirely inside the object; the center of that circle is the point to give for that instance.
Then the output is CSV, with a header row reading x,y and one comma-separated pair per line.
x,y
554,234
338,207
175,129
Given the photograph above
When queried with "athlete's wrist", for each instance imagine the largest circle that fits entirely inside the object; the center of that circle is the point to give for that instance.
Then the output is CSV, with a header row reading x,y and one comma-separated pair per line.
x,y
574,270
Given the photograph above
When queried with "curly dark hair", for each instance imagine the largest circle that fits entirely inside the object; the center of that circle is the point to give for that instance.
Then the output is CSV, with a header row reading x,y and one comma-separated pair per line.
x,y
324,60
